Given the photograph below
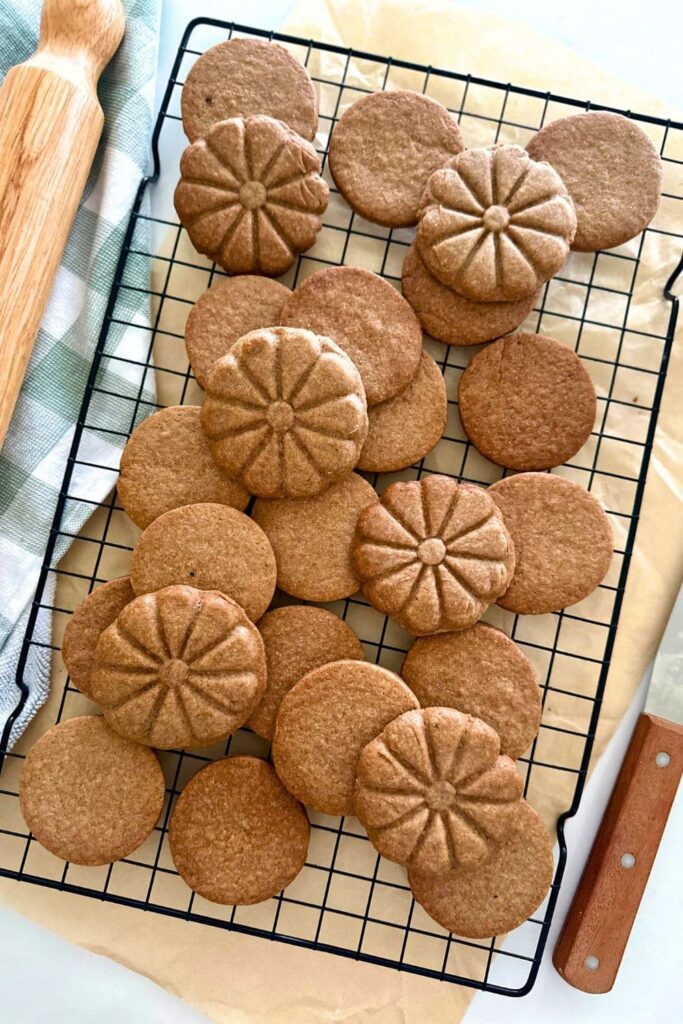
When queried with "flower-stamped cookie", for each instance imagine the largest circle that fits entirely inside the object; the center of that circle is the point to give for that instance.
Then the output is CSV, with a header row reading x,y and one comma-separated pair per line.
x,y
433,554
179,668
286,413
250,195
495,224
433,791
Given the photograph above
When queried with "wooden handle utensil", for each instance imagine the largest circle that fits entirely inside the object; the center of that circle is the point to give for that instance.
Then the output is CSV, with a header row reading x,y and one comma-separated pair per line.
x,y
599,922
50,124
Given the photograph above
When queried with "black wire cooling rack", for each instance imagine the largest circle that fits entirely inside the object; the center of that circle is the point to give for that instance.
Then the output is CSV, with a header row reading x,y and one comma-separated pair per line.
x,y
347,900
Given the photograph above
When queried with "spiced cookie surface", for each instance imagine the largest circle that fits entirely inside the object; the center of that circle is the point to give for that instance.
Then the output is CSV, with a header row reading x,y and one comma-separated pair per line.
x,y
167,463
527,402
492,898
312,539
368,319
402,430
89,620
226,311
298,638
89,795
179,668
241,77
433,792
433,554
563,541
211,547
250,195
480,672
452,318
285,412
236,835
384,148
612,171
323,724
495,224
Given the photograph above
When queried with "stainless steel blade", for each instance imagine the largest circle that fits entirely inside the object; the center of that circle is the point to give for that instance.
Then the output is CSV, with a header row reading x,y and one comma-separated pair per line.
x,y
665,692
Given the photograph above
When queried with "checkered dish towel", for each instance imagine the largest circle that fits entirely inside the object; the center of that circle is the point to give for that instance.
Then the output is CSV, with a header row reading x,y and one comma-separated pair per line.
x,y
37,445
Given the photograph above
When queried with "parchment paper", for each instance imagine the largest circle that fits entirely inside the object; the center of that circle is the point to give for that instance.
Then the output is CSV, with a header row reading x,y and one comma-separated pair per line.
x,y
237,978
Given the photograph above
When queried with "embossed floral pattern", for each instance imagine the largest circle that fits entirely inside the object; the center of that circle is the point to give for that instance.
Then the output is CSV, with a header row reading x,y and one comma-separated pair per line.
x,y
285,412
433,554
495,224
179,668
250,195
433,791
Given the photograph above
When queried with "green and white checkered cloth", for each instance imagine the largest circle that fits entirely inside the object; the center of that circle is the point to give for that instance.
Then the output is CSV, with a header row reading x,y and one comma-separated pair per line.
x,y
35,451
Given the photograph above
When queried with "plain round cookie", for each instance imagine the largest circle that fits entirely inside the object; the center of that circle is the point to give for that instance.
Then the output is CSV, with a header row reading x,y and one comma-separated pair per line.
x,y
368,319
89,795
251,195
236,835
494,224
298,638
384,148
562,537
433,791
452,318
612,171
167,462
483,673
230,308
432,554
211,547
527,402
179,668
285,412
492,898
402,430
323,724
312,538
241,77
89,620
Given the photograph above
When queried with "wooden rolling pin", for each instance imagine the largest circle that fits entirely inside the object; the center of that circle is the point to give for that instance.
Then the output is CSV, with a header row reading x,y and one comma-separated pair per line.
x,y
50,124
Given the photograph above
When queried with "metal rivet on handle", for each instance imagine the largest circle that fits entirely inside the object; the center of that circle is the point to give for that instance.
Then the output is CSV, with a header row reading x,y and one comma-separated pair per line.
x,y
662,760
591,963
628,860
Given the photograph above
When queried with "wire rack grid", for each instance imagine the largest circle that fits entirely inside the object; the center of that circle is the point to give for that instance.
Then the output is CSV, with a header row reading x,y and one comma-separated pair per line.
x,y
347,900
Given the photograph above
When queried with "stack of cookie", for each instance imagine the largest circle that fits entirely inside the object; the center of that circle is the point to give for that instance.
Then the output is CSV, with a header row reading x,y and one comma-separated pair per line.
x,y
261,488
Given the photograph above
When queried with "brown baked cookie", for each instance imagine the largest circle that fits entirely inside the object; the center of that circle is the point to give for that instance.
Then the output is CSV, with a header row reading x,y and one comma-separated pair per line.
x,y
527,402
89,620
323,724
167,463
452,318
433,792
285,411
480,672
297,639
179,668
312,538
87,794
563,541
494,224
236,835
208,546
250,195
612,172
368,319
403,429
248,76
432,554
384,148
226,311
492,898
